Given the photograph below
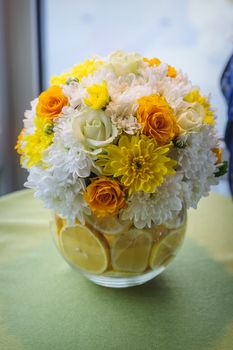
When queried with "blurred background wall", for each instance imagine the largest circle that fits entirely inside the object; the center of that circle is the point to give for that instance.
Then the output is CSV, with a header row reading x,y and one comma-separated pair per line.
x,y
19,76
41,38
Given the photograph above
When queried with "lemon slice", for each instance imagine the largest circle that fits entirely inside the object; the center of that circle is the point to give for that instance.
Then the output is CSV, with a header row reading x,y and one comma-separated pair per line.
x,y
111,225
130,251
164,250
84,249
59,223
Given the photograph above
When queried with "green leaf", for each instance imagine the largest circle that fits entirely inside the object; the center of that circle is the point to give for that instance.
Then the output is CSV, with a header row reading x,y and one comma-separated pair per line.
x,y
179,142
222,169
48,129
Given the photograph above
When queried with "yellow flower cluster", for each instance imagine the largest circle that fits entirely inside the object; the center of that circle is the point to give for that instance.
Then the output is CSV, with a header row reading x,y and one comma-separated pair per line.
x,y
33,145
78,72
98,95
59,79
85,68
139,163
49,106
195,96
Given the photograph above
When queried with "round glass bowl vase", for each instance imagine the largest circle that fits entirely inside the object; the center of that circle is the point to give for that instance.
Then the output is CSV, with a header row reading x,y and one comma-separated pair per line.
x,y
114,253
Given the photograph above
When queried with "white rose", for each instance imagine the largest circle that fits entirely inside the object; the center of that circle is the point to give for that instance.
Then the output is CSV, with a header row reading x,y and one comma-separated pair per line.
x,y
123,62
93,129
191,118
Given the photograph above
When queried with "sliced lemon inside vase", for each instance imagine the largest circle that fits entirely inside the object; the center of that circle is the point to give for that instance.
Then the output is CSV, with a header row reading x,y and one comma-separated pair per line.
x,y
165,250
130,251
85,249
59,223
110,225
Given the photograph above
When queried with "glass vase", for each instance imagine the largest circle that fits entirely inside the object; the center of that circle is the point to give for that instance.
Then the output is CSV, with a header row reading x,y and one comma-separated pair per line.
x,y
114,253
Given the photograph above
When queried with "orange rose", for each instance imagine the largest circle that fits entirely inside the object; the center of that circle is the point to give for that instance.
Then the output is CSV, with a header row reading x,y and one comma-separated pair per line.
x,y
152,61
51,102
105,197
218,153
171,72
157,118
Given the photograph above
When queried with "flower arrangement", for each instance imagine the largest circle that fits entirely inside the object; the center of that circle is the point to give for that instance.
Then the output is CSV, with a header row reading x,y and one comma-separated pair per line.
x,y
122,136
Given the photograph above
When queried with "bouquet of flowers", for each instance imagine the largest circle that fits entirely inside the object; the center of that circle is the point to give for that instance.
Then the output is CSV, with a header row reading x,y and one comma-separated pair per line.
x,y
121,136
119,148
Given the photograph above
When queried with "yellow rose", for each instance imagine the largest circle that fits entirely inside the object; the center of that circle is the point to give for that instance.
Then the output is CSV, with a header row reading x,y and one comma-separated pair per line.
x,y
157,118
123,62
191,118
51,102
195,96
93,128
105,197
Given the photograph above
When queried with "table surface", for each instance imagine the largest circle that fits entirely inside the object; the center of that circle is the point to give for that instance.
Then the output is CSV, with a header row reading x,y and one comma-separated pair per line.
x,y
44,304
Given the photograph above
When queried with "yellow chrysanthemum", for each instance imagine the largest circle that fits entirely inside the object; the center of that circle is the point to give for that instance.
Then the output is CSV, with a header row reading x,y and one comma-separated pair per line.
x,y
83,69
138,162
59,79
79,71
98,95
18,146
195,96
33,145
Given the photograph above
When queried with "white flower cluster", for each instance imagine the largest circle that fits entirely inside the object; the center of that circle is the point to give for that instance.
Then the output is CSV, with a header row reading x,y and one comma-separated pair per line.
x,y
89,108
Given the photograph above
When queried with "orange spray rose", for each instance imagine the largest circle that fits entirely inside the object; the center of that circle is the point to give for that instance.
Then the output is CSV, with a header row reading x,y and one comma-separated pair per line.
x,y
105,197
157,118
51,102
218,153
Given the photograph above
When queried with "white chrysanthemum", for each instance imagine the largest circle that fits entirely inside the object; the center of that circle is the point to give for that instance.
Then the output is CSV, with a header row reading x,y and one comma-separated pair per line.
x,y
59,184
73,161
66,154
153,74
129,89
63,131
63,196
104,72
146,209
75,93
198,164
174,90
124,93
29,117
122,115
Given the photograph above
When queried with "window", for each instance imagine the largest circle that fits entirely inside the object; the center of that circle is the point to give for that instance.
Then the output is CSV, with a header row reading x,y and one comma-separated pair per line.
x,y
193,35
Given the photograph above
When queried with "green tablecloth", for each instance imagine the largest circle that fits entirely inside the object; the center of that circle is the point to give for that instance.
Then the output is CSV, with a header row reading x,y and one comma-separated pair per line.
x,y
44,304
